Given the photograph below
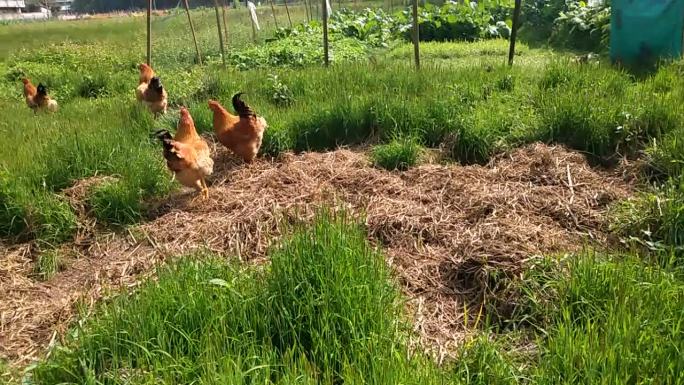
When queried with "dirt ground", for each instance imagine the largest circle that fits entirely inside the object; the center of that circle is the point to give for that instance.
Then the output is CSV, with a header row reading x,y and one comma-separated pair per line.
x,y
444,229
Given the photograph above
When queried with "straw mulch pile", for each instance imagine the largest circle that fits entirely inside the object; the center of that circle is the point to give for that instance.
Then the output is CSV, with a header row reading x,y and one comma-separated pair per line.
x,y
444,228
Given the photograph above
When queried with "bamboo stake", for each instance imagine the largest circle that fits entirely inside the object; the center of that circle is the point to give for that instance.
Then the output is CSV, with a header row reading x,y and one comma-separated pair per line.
x,y
254,35
416,48
326,53
306,10
275,20
192,29
514,31
288,13
220,33
224,5
149,32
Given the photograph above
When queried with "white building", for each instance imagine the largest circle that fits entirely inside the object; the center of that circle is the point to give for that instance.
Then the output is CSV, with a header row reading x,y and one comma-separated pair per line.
x,y
11,6
63,5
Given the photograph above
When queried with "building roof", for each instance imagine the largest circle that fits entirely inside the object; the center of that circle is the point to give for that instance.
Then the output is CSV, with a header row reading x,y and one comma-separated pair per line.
x,y
12,3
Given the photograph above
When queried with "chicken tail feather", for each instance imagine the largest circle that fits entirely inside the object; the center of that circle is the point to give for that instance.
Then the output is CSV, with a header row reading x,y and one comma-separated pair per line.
x,y
165,137
242,109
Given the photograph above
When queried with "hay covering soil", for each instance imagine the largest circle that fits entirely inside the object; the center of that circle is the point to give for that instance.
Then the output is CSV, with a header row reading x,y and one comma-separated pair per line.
x,y
445,230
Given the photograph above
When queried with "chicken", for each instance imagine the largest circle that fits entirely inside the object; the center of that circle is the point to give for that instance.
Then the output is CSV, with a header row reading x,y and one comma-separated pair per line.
x,y
155,97
29,92
187,154
242,134
41,101
146,74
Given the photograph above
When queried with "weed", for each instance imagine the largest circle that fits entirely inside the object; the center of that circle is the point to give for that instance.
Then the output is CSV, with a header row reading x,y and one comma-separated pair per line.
x,y
506,83
93,87
483,361
48,264
654,219
282,96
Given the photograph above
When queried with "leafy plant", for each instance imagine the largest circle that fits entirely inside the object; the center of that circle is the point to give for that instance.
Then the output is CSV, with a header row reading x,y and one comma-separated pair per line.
x,y
467,21
582,26
281,93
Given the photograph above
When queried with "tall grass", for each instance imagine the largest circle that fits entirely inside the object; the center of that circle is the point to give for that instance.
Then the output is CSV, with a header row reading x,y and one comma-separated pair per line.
x,y
324,312
617,321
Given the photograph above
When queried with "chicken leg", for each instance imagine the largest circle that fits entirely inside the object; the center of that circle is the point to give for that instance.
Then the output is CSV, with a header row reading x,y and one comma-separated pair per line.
x,y
205,189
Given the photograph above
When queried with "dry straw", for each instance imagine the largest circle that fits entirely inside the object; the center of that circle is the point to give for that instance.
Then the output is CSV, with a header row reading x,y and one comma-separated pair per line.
x,y
444,228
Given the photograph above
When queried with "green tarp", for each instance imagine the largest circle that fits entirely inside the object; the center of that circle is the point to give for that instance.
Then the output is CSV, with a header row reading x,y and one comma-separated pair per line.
x,y
642,31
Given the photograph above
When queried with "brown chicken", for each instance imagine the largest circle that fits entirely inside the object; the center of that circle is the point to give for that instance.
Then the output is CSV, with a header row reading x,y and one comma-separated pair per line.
x,y
146,74
155,97
187,154
242,134
41,101
29,92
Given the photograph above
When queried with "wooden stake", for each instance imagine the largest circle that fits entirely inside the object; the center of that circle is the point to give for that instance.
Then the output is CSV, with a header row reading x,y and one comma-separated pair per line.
x,y
149,32
416,44
275,20
288,13
220,33
192,29
326,53
514,31
224,5
306,9
254,35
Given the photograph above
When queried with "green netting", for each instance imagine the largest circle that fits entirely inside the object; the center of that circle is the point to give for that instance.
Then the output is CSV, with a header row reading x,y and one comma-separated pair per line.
x,y
642,31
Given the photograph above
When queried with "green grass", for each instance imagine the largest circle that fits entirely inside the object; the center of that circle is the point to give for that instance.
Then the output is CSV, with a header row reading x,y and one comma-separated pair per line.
x,y
473,111
399,154
49,263
619,320
324,311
